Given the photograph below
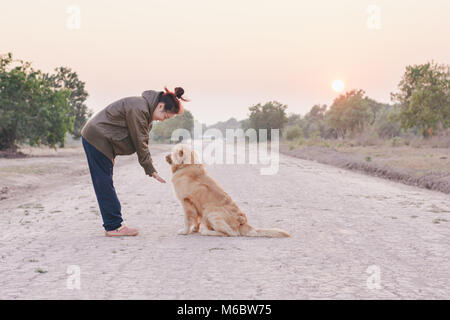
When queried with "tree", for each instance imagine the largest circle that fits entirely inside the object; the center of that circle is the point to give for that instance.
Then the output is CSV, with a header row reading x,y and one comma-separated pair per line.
x,y
245,124
294,119
162,131
424,98
231,123
65,78
350,112
31,109
271,115
385,124
314,121
293,133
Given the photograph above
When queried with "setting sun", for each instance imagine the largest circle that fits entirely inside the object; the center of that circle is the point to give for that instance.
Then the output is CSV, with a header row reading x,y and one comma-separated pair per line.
x,y
338,85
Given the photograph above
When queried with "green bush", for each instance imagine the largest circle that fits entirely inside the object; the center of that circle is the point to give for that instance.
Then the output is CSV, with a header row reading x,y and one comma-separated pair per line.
x,y
271,115
162,131
294,133
31,108
291,146
396,141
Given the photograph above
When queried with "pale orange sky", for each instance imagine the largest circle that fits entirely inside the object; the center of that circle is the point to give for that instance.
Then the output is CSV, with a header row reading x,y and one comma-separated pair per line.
x,y
229,55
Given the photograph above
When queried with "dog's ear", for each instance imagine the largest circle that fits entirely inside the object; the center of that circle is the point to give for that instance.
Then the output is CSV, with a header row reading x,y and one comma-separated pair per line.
x,y
180,153
169,159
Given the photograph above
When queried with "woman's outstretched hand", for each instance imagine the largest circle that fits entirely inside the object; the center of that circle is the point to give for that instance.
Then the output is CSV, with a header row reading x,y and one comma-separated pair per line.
x,y
157,177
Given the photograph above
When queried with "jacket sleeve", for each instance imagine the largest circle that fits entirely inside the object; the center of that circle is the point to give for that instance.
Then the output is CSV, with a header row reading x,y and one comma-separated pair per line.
x,y
139,133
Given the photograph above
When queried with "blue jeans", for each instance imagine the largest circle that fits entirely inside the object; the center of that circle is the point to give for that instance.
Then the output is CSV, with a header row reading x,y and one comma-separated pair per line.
x,y
101,169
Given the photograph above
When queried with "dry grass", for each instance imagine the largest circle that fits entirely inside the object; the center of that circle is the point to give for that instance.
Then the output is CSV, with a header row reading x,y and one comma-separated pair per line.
x,y
371,139
415,161
22,169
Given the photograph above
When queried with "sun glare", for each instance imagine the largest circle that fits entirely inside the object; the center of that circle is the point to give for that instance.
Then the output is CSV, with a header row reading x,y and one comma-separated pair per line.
x,y
338,85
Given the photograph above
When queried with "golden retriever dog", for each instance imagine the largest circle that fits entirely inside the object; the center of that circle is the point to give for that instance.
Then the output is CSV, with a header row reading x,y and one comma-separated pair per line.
x,y
208,208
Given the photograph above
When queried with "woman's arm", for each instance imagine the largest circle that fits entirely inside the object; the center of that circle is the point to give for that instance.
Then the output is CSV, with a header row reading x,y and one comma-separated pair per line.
x,y
138,128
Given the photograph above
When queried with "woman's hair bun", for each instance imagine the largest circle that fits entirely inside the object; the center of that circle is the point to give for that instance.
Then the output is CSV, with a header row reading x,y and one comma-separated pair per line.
x,y
179,92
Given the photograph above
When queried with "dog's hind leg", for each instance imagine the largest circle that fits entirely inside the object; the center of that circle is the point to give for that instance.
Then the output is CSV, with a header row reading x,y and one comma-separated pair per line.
x,y
247,230
218,223
206,232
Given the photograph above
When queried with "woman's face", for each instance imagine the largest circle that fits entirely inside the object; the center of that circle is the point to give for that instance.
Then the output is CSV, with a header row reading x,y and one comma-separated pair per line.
x,y
161,115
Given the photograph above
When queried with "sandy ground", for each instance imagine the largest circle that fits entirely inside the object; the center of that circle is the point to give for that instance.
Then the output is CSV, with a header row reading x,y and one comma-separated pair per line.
x,y
343,224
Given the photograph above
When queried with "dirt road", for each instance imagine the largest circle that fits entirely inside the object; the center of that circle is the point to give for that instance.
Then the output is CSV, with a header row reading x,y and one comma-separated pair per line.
x,y
353,236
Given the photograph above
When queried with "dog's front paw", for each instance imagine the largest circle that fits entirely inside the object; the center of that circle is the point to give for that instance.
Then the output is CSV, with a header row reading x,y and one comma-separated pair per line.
x,y
183,232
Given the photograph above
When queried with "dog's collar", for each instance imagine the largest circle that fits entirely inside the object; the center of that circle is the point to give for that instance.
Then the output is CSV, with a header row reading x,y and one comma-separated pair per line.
x,y
187,166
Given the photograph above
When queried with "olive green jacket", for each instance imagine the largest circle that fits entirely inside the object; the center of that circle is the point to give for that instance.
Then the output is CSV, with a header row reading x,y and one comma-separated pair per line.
x,y
123,127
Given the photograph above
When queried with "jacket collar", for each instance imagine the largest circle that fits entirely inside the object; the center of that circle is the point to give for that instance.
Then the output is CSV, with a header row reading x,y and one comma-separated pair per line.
x,y
152,98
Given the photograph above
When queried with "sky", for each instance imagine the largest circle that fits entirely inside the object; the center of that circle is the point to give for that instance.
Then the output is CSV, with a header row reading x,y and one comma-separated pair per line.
x,y
229,55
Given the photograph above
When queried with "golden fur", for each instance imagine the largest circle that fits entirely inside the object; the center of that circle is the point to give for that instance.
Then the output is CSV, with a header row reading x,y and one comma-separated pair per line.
x,y
207,207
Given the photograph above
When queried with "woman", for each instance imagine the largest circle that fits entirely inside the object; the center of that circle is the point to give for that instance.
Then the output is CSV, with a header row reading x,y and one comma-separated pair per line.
x,y
122,128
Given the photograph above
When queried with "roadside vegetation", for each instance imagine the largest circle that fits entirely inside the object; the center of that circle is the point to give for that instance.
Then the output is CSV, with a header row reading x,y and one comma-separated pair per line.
x,y
38,108
407,140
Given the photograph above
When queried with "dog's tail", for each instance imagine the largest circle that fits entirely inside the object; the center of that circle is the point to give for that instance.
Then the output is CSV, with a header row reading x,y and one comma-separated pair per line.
x,y
272,233
248,231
